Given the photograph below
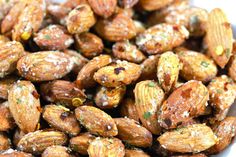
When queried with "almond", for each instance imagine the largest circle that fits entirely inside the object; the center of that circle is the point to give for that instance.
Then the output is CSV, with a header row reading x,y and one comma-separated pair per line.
x,y
219,38
128,109
81,143
193,138
104,126
104,8
127,3
40,66
109,97
5,85
148,99
135,153
14,153
5,143
24,105
121,73
36,142
132,133
85,75
161,37
110,29
3,39
151,5
106,147
56,151
184,103
6,119
80,19
10,53
232,67
62,119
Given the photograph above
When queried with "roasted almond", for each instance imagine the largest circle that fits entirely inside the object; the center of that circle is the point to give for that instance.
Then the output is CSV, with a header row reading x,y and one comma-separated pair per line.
x,y
161,37
128,109
85,75
36,142
14,153
219,37
81,143
193,138
121,73
62,119
148,99
5,85
24,104
135,153
127,3
184,103
232,67
6,119
109,97
132,133
5,142
80,19
56,151
3,39
104,126
40,66
106,147
151,5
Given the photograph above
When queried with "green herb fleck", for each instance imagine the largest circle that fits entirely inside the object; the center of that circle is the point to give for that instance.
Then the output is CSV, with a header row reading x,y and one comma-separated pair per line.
x,y
227,53
18,100
48,37
219,91
204,64
147,115
151,84
163,35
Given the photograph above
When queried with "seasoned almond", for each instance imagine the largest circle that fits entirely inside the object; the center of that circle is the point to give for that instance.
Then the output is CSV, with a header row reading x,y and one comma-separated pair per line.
x,y
128,109
135,153
80,19
89,44
161,37
168,70
196,66
53,37
14,153
124,50
121,73
5,85
110,29
6,119
194,155
219,38
85,75
10,53
148,99
109,97
193,138
5,142
62,92
225,132
222,91
62,119
140,28
104,126
40,66
29,21
184,103
36,142
81,143
56,151
132,133
104,8
127,3
151,5
24,104
106,147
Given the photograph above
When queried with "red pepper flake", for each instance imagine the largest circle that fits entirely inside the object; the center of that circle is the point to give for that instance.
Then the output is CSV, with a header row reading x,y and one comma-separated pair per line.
x,y
118,70
227,25
35,94
186,93
176,28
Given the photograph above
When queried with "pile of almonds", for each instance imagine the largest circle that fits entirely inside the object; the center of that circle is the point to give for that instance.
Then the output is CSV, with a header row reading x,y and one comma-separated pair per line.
x,y
115,78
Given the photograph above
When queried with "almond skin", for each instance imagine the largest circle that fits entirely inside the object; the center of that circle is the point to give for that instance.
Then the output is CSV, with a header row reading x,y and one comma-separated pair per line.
x,y
161,38
53,37
106,147
127,3
193,138
80,19
104,126
184,103
62,119
36,142
24,105
56,151
10,53
40,66
148,99
6,119
104,8
121,73
135,153
5,85
85,76
128,109
81,143
151,5
132,133
109,29
14,153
